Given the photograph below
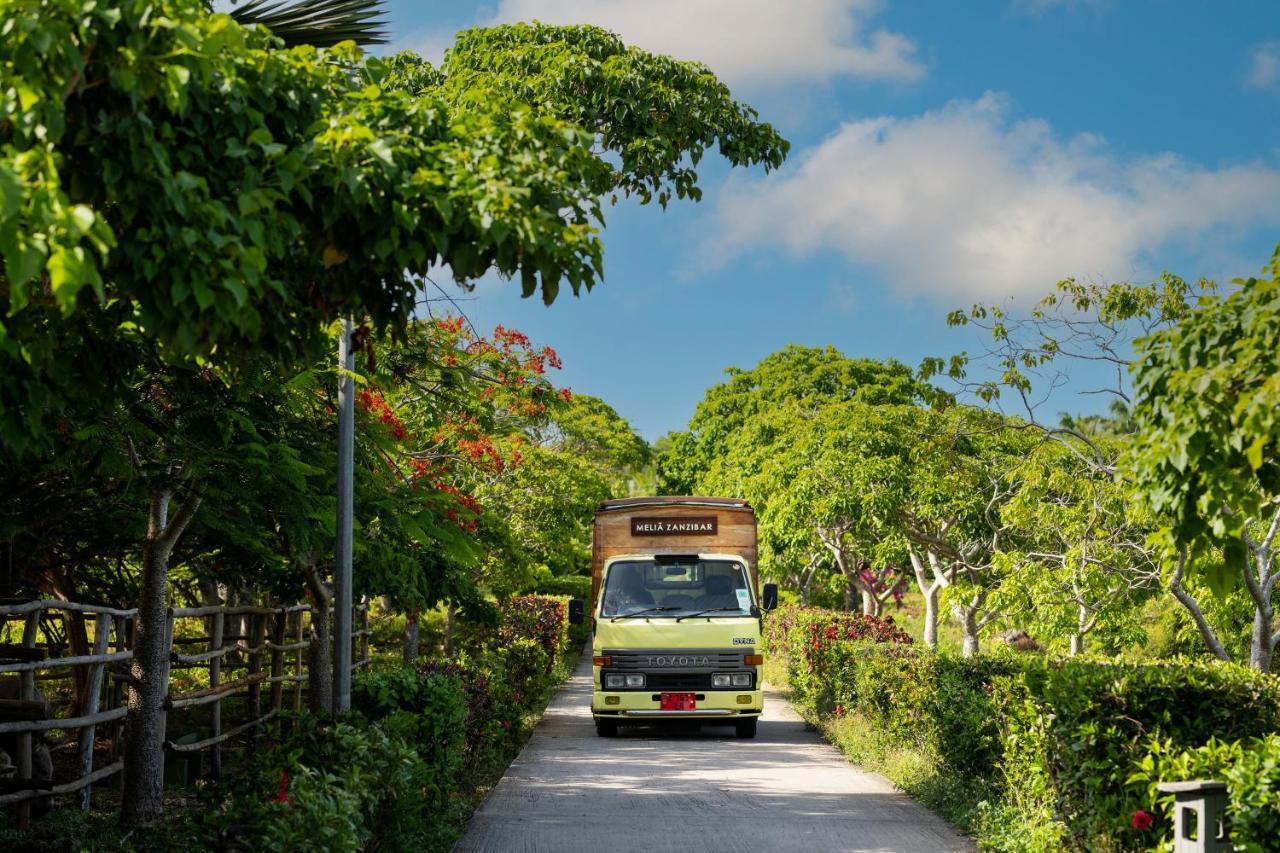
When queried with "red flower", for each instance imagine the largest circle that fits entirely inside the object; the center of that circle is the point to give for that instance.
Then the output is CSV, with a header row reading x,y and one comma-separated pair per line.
x,y
1141,820
839,710
282,793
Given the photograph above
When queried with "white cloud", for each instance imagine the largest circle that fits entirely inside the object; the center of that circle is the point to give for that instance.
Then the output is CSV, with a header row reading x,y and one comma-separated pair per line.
x,y
744,41
965,202
1264,66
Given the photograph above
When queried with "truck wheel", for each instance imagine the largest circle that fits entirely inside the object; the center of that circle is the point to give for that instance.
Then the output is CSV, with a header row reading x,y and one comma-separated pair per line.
x,y
746,727
606,728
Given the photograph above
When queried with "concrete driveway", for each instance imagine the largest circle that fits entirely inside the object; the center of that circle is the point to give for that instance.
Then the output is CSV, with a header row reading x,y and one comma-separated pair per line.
x,y
700,792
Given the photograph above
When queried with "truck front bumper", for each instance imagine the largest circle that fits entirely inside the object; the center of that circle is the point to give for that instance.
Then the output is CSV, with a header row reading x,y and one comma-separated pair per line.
x,y
639,705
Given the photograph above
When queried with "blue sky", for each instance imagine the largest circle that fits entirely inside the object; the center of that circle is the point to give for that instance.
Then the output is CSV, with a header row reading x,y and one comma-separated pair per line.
x,y
942,153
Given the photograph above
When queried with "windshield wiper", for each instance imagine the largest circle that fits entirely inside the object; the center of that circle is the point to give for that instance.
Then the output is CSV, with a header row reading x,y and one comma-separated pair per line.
x,y
643,612
710,610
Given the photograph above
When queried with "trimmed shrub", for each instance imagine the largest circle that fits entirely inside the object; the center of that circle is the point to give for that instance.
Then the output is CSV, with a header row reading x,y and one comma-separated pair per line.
x,y
1251,769
570,586
538,618
1047,746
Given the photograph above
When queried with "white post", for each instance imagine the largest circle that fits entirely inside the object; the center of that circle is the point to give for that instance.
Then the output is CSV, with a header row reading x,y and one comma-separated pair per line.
x,y
342,564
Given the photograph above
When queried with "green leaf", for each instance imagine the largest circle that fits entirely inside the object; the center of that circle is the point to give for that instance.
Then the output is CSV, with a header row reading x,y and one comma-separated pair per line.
x,y
70,270
1224,576
11,192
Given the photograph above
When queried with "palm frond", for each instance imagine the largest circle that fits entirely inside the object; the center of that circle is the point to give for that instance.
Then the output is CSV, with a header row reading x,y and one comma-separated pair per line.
x,y
322,23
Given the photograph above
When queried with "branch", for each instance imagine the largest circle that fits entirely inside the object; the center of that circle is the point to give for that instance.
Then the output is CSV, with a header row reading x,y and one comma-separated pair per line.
x,y
173,530
319,591
1193,607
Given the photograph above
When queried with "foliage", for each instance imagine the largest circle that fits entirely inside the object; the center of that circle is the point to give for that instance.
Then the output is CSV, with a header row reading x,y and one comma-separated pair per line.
x,y
540,619
320,23
1048,745
656,115
1251,769
745,438
336,783
1209,392
1078,564
820,638
572,586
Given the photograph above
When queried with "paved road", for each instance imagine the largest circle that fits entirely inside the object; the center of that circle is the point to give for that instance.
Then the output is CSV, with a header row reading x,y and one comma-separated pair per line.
x,y
702,792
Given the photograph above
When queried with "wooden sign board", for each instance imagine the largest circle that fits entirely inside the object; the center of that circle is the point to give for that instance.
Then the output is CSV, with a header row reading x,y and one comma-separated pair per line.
x,y
688,525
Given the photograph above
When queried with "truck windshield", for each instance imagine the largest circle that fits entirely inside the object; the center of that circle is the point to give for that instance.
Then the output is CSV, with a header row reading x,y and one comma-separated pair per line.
x,y
669,590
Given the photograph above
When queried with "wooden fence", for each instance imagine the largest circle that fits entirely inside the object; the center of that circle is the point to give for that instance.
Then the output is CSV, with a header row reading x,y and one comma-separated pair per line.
x,y
244,649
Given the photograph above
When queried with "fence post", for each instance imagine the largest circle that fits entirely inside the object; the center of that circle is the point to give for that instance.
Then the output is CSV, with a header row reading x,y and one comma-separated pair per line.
x,y
27,693
130,632
364,633
300,656
217,630
116,697
279,634
93,695
1198,806
257,636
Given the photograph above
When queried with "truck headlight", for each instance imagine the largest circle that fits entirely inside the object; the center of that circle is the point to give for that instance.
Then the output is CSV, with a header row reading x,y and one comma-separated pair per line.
x,y
742,679
722,679
635,681
615,682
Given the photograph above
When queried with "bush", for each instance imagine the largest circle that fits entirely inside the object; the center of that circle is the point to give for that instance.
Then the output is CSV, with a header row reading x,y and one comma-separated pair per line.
x,y
1046,746
1251,769
536,618
331,785
427,708
570,586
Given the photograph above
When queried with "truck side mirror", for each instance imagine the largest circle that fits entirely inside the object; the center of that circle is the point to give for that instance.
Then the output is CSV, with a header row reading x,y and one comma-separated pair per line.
x,y
575,611
770,596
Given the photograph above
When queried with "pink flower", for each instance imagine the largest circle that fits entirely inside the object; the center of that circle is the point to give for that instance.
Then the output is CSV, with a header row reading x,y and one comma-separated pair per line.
x,y
282,793
1141,820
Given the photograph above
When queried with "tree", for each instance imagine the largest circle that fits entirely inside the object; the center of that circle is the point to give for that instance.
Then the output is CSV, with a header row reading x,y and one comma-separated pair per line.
x,y
1077,560
953,517
834,491
740,442
1208,457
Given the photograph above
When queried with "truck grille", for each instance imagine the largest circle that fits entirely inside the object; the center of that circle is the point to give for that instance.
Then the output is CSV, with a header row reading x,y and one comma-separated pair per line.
x,y
676,669
681,661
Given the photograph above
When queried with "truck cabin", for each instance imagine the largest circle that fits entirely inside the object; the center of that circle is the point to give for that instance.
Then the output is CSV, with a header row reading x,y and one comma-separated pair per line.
x,y
677,587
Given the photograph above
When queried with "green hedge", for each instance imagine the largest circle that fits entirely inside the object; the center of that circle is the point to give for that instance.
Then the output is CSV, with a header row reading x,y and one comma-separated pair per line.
x,y
1023,751
571,586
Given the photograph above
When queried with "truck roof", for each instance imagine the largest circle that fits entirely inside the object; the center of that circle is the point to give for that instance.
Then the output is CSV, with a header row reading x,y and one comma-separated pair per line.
x,y
672,500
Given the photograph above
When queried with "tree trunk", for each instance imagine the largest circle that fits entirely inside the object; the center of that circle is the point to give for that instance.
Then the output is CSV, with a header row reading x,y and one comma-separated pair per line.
x,y
320,659
1261,650
870,602
149,671
931,615
1082,628
851,595
967,616
930,584
411,636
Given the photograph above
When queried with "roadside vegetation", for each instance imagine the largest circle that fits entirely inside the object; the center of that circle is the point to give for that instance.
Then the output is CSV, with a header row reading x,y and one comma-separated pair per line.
x,y
1090,600
1028,752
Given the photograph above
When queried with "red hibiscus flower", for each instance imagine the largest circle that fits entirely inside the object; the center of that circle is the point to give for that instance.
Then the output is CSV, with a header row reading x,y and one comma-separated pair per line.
x,y
1141,820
